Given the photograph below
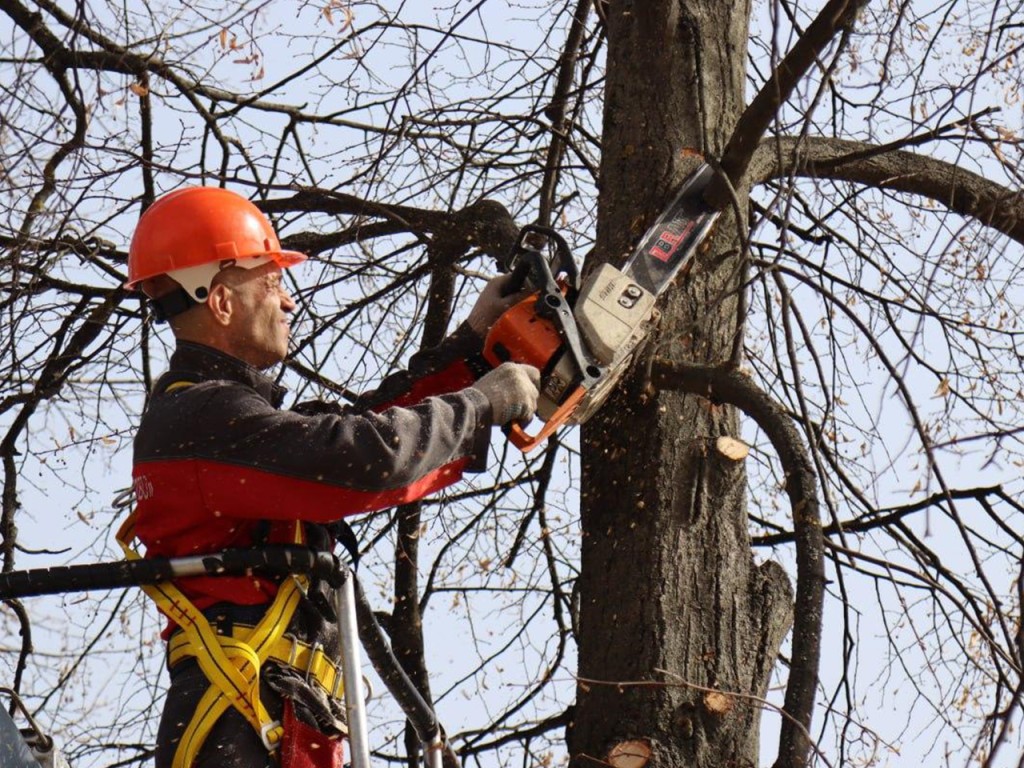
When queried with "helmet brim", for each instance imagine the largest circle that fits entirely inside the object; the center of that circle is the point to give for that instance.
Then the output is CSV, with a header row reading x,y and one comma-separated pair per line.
x,y
287,259
283,259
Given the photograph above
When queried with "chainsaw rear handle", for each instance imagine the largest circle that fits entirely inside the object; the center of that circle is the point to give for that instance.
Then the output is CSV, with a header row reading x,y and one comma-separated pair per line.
x,y
526,442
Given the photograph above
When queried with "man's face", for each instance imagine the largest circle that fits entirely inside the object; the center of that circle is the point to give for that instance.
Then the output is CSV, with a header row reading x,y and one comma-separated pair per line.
x,y
259,324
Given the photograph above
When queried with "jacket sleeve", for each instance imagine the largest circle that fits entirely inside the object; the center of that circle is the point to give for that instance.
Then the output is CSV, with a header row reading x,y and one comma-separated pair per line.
x,y
449,367
452,365
245,459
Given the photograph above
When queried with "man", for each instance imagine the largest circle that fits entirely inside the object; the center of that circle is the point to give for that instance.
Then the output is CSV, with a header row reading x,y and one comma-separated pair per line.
x,y
217,464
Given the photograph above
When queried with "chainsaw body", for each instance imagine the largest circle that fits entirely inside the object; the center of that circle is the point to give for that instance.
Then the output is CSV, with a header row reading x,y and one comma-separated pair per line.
x,y
583,336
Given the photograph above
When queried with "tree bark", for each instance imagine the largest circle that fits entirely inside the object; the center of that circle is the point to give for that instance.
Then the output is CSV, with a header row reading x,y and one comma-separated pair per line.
x,y
668,581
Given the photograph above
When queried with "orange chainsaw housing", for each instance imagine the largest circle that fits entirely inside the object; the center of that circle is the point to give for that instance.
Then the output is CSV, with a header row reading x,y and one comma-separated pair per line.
x,y
521,336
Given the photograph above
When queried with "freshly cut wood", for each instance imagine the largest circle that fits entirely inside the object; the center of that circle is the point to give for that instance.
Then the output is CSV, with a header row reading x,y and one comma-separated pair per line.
x,y
630,754
731,448
717,703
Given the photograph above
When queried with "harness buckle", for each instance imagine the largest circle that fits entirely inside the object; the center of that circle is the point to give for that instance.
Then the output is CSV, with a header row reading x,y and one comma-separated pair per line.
x,y
293,652
317,648
301,584
265,735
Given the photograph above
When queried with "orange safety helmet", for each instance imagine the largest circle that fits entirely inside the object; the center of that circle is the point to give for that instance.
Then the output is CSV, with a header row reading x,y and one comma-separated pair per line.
x,y
191,234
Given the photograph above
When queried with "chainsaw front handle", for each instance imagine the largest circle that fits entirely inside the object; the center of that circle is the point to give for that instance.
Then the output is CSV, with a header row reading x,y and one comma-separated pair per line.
x,y
529,264
526,442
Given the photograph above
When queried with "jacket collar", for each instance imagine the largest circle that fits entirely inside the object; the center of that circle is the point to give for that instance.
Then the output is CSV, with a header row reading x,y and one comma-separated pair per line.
x,y
199,362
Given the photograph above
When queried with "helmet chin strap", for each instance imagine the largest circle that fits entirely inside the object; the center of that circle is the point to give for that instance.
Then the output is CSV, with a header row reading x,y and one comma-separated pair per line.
x,y
195,283
170,304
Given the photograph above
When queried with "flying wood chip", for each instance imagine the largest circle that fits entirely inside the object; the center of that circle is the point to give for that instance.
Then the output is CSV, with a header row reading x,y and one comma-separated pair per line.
x,y
630,754
732,448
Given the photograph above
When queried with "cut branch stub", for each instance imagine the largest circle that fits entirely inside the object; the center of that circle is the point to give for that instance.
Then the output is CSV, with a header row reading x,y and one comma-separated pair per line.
x,y
634,753
717,703
731,448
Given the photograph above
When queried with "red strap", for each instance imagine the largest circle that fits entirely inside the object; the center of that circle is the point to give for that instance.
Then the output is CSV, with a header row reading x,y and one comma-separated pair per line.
x,y
303,746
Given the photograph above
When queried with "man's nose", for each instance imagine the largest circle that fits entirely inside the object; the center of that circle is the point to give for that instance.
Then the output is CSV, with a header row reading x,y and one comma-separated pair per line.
x,y
287,302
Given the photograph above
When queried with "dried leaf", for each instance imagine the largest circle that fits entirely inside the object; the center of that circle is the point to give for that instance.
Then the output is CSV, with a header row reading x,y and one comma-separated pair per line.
x,y
630,754
943,388
331,7
138,90
224,38
731,448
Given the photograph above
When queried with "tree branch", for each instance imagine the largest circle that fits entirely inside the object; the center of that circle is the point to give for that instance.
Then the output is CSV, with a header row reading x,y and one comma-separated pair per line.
x,y
556,112
754,122
883,518
727,385
963,192
485,224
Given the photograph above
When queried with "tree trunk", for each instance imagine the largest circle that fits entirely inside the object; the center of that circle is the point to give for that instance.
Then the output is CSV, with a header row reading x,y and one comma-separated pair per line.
x,y
668,581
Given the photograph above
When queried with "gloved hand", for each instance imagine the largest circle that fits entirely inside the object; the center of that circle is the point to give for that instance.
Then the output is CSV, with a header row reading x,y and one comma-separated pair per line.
x,y
491,304
513,389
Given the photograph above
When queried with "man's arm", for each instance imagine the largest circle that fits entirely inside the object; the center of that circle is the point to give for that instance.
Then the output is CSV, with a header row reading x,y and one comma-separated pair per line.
x,y
452,365
455,363
239,457
244,458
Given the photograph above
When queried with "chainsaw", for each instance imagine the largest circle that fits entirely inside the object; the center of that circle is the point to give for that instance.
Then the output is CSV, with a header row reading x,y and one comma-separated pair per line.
x,y
582,334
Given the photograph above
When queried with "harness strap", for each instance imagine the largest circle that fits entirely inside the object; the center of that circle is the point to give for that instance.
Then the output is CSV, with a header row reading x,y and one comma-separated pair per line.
x,y
232,666
311,660
177,385
250,656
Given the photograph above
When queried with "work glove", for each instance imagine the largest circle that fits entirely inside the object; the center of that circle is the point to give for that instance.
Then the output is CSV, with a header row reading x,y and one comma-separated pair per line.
x,y
513,389
492,303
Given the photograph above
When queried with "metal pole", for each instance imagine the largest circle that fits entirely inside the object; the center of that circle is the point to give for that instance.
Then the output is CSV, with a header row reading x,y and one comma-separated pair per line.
x,y
351,666
433,752
437,752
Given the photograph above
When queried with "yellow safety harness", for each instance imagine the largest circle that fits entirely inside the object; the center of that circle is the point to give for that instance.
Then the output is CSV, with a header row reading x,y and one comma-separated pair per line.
x,y
232,663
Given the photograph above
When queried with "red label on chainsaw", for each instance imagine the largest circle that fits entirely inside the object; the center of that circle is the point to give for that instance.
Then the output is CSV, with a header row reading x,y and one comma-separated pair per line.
x,y
668,242
674,237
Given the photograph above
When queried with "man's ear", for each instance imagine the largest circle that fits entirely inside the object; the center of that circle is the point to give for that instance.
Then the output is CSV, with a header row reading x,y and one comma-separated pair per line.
x,y
221,303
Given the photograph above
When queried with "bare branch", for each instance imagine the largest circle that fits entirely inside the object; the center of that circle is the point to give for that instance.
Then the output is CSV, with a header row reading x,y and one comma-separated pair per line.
x,y
962,191
764,107
726,385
